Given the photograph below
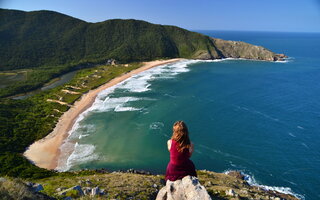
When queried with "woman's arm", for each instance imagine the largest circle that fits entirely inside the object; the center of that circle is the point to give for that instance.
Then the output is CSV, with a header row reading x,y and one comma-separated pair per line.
x,y
169,144
191,149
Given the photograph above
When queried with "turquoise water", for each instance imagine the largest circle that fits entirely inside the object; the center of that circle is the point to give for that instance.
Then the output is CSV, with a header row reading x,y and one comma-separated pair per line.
x,y
258,117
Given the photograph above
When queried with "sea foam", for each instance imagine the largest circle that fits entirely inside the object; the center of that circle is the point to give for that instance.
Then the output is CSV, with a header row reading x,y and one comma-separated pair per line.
x,y
251,181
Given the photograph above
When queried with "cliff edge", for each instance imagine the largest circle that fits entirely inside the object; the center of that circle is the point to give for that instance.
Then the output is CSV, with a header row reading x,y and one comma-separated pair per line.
x,y
132,184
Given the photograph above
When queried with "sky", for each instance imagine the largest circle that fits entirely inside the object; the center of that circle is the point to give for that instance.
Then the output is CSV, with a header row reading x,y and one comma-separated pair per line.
x,y
243,15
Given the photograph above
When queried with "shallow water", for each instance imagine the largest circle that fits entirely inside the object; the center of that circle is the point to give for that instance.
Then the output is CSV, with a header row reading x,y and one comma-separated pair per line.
x,y
255,116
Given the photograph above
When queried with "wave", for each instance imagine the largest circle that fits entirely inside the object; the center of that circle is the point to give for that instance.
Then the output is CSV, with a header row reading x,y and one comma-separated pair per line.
x,y
113,104
252,182
286,60
82,153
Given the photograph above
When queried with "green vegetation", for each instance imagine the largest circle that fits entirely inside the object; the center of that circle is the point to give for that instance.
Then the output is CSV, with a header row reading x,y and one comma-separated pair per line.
x,y
117,185
52,43
46,38
24,121
120,185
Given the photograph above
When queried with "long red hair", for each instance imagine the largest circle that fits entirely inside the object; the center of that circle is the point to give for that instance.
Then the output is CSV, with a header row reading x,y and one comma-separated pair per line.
x,y
181,135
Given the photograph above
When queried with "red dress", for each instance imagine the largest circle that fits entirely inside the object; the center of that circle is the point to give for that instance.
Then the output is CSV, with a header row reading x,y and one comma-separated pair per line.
x,y
180,165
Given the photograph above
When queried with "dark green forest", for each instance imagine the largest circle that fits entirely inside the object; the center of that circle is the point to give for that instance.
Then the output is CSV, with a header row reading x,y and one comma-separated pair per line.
x,y
52,44
46,38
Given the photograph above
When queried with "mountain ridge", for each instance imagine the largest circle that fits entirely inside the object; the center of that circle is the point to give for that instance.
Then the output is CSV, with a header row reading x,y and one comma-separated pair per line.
x,y
49,38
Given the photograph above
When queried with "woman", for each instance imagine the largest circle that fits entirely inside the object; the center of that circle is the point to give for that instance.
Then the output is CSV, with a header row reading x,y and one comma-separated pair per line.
x,y
180,149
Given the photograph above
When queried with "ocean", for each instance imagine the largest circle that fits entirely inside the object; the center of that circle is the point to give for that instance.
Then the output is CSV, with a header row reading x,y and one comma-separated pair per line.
x,y
255,116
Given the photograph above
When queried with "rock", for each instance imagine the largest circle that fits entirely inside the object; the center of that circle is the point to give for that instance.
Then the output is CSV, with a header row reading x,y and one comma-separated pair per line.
x,y
230,192
58,189
236,174
88,182
186,189
30,184
102,192
76,188
2,179
95,191
208,184
155,185
37,187
87,190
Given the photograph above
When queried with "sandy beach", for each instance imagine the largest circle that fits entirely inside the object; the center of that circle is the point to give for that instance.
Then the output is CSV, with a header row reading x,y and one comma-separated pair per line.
x,y
45,152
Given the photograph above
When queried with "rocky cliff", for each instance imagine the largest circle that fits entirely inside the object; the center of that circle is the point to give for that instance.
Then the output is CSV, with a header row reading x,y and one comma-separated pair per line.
x,y
238,49
132,184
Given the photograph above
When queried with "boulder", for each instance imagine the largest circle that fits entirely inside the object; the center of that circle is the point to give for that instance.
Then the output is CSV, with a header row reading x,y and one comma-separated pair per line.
x,y
87,190
76,188
188,188
230,192
95,191
37,187
236,174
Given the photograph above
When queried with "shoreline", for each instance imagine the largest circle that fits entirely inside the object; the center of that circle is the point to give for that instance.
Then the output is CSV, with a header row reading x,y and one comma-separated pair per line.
x,y
45,152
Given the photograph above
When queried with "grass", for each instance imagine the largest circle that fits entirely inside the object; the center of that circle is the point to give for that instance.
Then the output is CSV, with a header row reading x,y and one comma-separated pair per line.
x,y
116,185
12,189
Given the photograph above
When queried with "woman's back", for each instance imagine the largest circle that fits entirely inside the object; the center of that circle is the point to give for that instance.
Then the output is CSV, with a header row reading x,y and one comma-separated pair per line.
x,y
176,157
180,165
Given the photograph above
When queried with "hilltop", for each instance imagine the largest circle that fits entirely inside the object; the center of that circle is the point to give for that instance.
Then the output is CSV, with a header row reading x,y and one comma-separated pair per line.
x,y
46,44
33,39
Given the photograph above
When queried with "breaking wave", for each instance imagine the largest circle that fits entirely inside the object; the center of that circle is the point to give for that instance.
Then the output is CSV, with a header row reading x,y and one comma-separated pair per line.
x,y
284,190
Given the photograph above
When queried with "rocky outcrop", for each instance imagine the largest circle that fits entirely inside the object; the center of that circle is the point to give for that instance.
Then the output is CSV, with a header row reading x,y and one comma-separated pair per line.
x,y
189,188
237,49
233,185
17,189
135,184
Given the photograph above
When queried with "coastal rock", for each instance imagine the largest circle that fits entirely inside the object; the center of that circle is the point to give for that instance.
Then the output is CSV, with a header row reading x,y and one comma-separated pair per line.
x,y
76,188
37,187
186,189
95,191
243,50
87,190
230,192
236,174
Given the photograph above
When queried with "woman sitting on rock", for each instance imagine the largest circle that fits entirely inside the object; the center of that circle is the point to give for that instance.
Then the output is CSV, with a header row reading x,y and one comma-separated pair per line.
x,y
180,149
